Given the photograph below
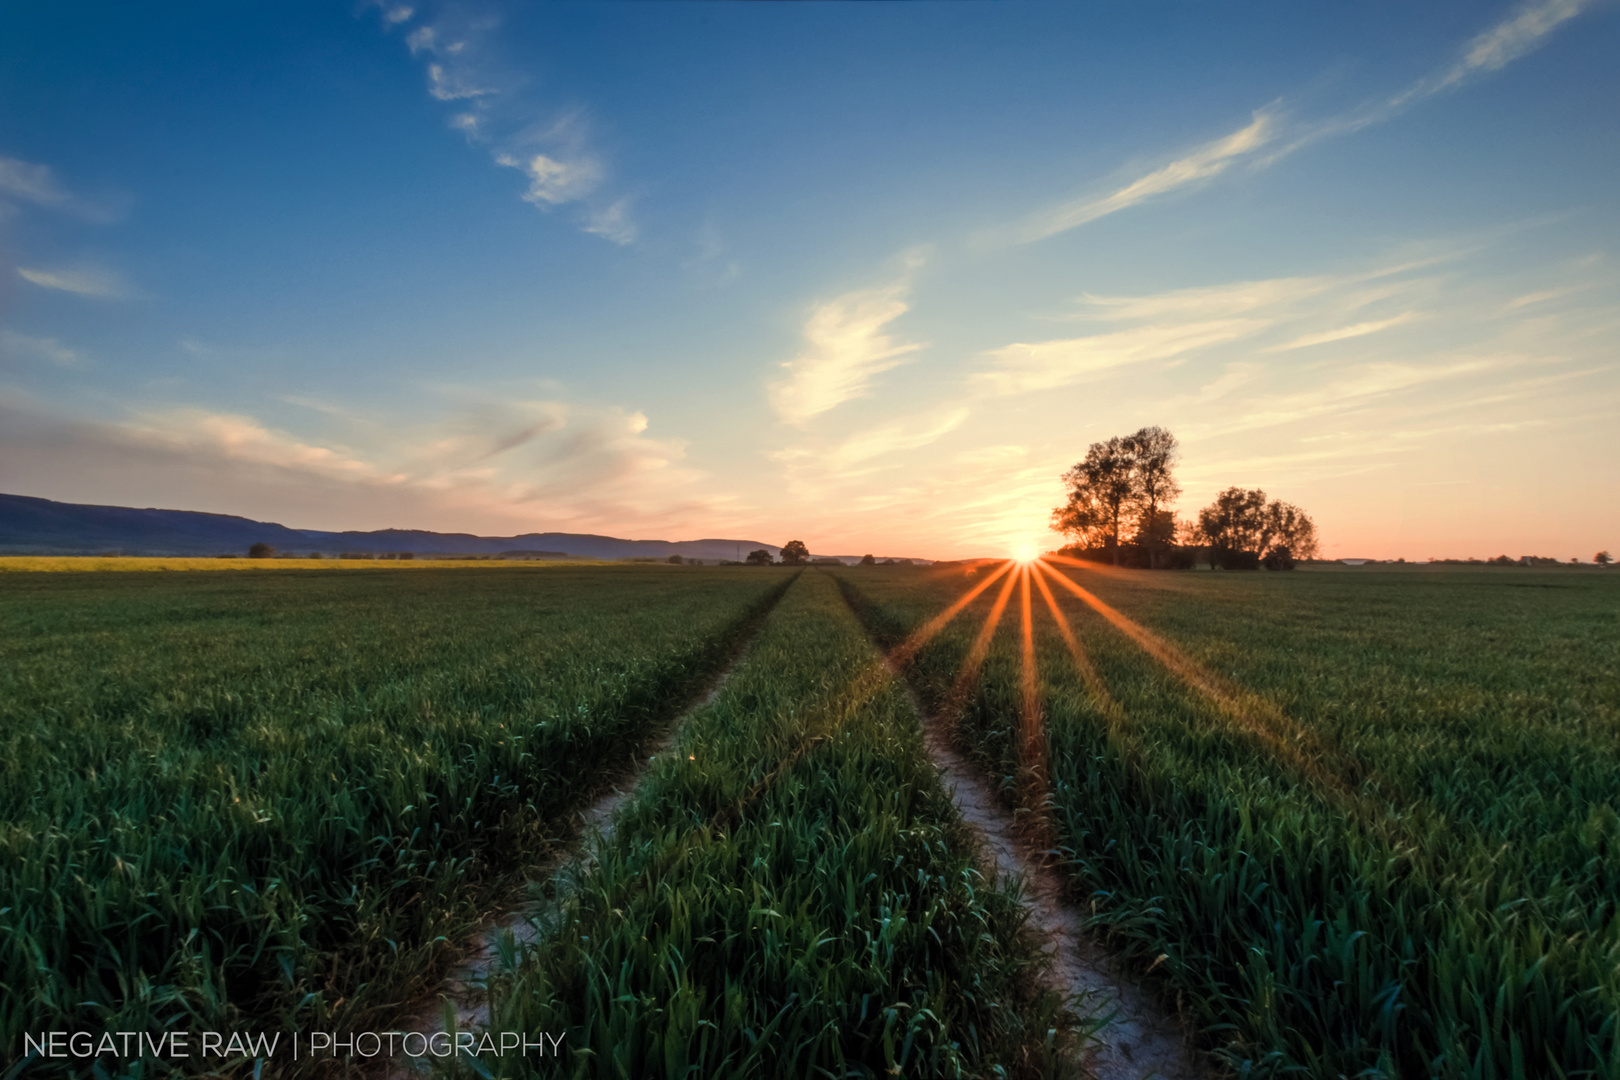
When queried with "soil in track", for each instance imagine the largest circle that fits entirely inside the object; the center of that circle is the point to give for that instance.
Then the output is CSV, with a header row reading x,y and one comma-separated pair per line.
x,y
1135,1038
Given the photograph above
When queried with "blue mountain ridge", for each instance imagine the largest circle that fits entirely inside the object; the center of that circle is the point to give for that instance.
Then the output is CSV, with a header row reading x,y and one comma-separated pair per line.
x,y
33,526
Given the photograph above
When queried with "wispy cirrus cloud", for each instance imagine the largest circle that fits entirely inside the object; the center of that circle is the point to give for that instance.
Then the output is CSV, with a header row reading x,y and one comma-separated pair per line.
x,y
1023,367
847,345
1521,33
552,181
1201,163
84,281
612,222
1344,333
40,348
1179,323
38,185
869,450
1271,134
548,146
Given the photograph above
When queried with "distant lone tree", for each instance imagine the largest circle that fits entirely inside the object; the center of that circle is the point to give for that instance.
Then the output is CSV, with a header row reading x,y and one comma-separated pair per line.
x,y
1603,558
760,557
794,553
676,560
867,560
261,551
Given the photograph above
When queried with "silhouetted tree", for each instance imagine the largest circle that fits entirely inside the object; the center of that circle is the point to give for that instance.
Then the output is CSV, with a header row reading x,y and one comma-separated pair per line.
x,y
1278,558
261,551
1082,518
1125,478
1233,523
1152,453
1157,533
867,560
1101,488
760,557
1290,528
675,560
794,553
1242,527
1603,558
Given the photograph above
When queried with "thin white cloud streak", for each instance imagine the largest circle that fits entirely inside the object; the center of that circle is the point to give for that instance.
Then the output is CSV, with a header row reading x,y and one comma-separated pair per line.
x,y
1355,391
866,452
85,282
1514,37
1045,365
847,348
1518,35
878,443
29,182
1209,301
1181,323
32,183
1344,333
43,348
1544,295
1206,161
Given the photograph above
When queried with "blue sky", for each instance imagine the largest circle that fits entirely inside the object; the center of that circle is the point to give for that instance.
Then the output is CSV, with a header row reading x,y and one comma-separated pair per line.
x,y
868,275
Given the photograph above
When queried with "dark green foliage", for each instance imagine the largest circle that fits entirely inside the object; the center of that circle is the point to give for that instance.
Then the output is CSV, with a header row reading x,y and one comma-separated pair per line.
x,y
273,799
791,894
1454,916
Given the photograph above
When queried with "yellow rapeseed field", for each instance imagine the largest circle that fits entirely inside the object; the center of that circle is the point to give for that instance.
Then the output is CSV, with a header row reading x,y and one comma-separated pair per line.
x,y
10,563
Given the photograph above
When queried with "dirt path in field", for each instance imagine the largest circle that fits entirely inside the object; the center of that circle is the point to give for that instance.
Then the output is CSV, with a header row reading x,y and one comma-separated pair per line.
x,y
462,997
1139,1040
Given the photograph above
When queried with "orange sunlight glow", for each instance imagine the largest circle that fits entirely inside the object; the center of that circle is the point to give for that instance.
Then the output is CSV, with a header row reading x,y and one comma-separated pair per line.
x,y
1307,754
1032,748
1025,551
1248,710
981,645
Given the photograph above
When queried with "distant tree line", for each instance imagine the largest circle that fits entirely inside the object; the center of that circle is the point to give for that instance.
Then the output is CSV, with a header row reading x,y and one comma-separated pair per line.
x,y
795,553
1119,511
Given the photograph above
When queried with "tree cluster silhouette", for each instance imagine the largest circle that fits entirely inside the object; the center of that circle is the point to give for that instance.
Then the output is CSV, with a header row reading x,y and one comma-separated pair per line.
x,y
1119,509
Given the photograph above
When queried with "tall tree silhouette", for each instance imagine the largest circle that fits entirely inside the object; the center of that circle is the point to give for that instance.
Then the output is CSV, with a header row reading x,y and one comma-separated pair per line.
x,y
1101,490
1152,452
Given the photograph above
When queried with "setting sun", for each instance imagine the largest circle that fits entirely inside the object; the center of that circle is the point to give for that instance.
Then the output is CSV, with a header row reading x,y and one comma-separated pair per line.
x,y
1025,551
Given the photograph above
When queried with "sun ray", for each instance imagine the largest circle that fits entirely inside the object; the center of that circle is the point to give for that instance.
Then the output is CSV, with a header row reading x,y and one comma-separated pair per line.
x,y
924,634
969,671
1254,714
1082,661
1031,696
1033,750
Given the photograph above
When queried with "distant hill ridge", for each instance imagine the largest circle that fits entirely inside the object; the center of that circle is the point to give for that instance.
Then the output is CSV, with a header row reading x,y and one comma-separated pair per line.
x,y
30,526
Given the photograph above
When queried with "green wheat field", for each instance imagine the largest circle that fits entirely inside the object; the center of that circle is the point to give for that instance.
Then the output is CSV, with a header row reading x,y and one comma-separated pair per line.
x,y
1362,823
